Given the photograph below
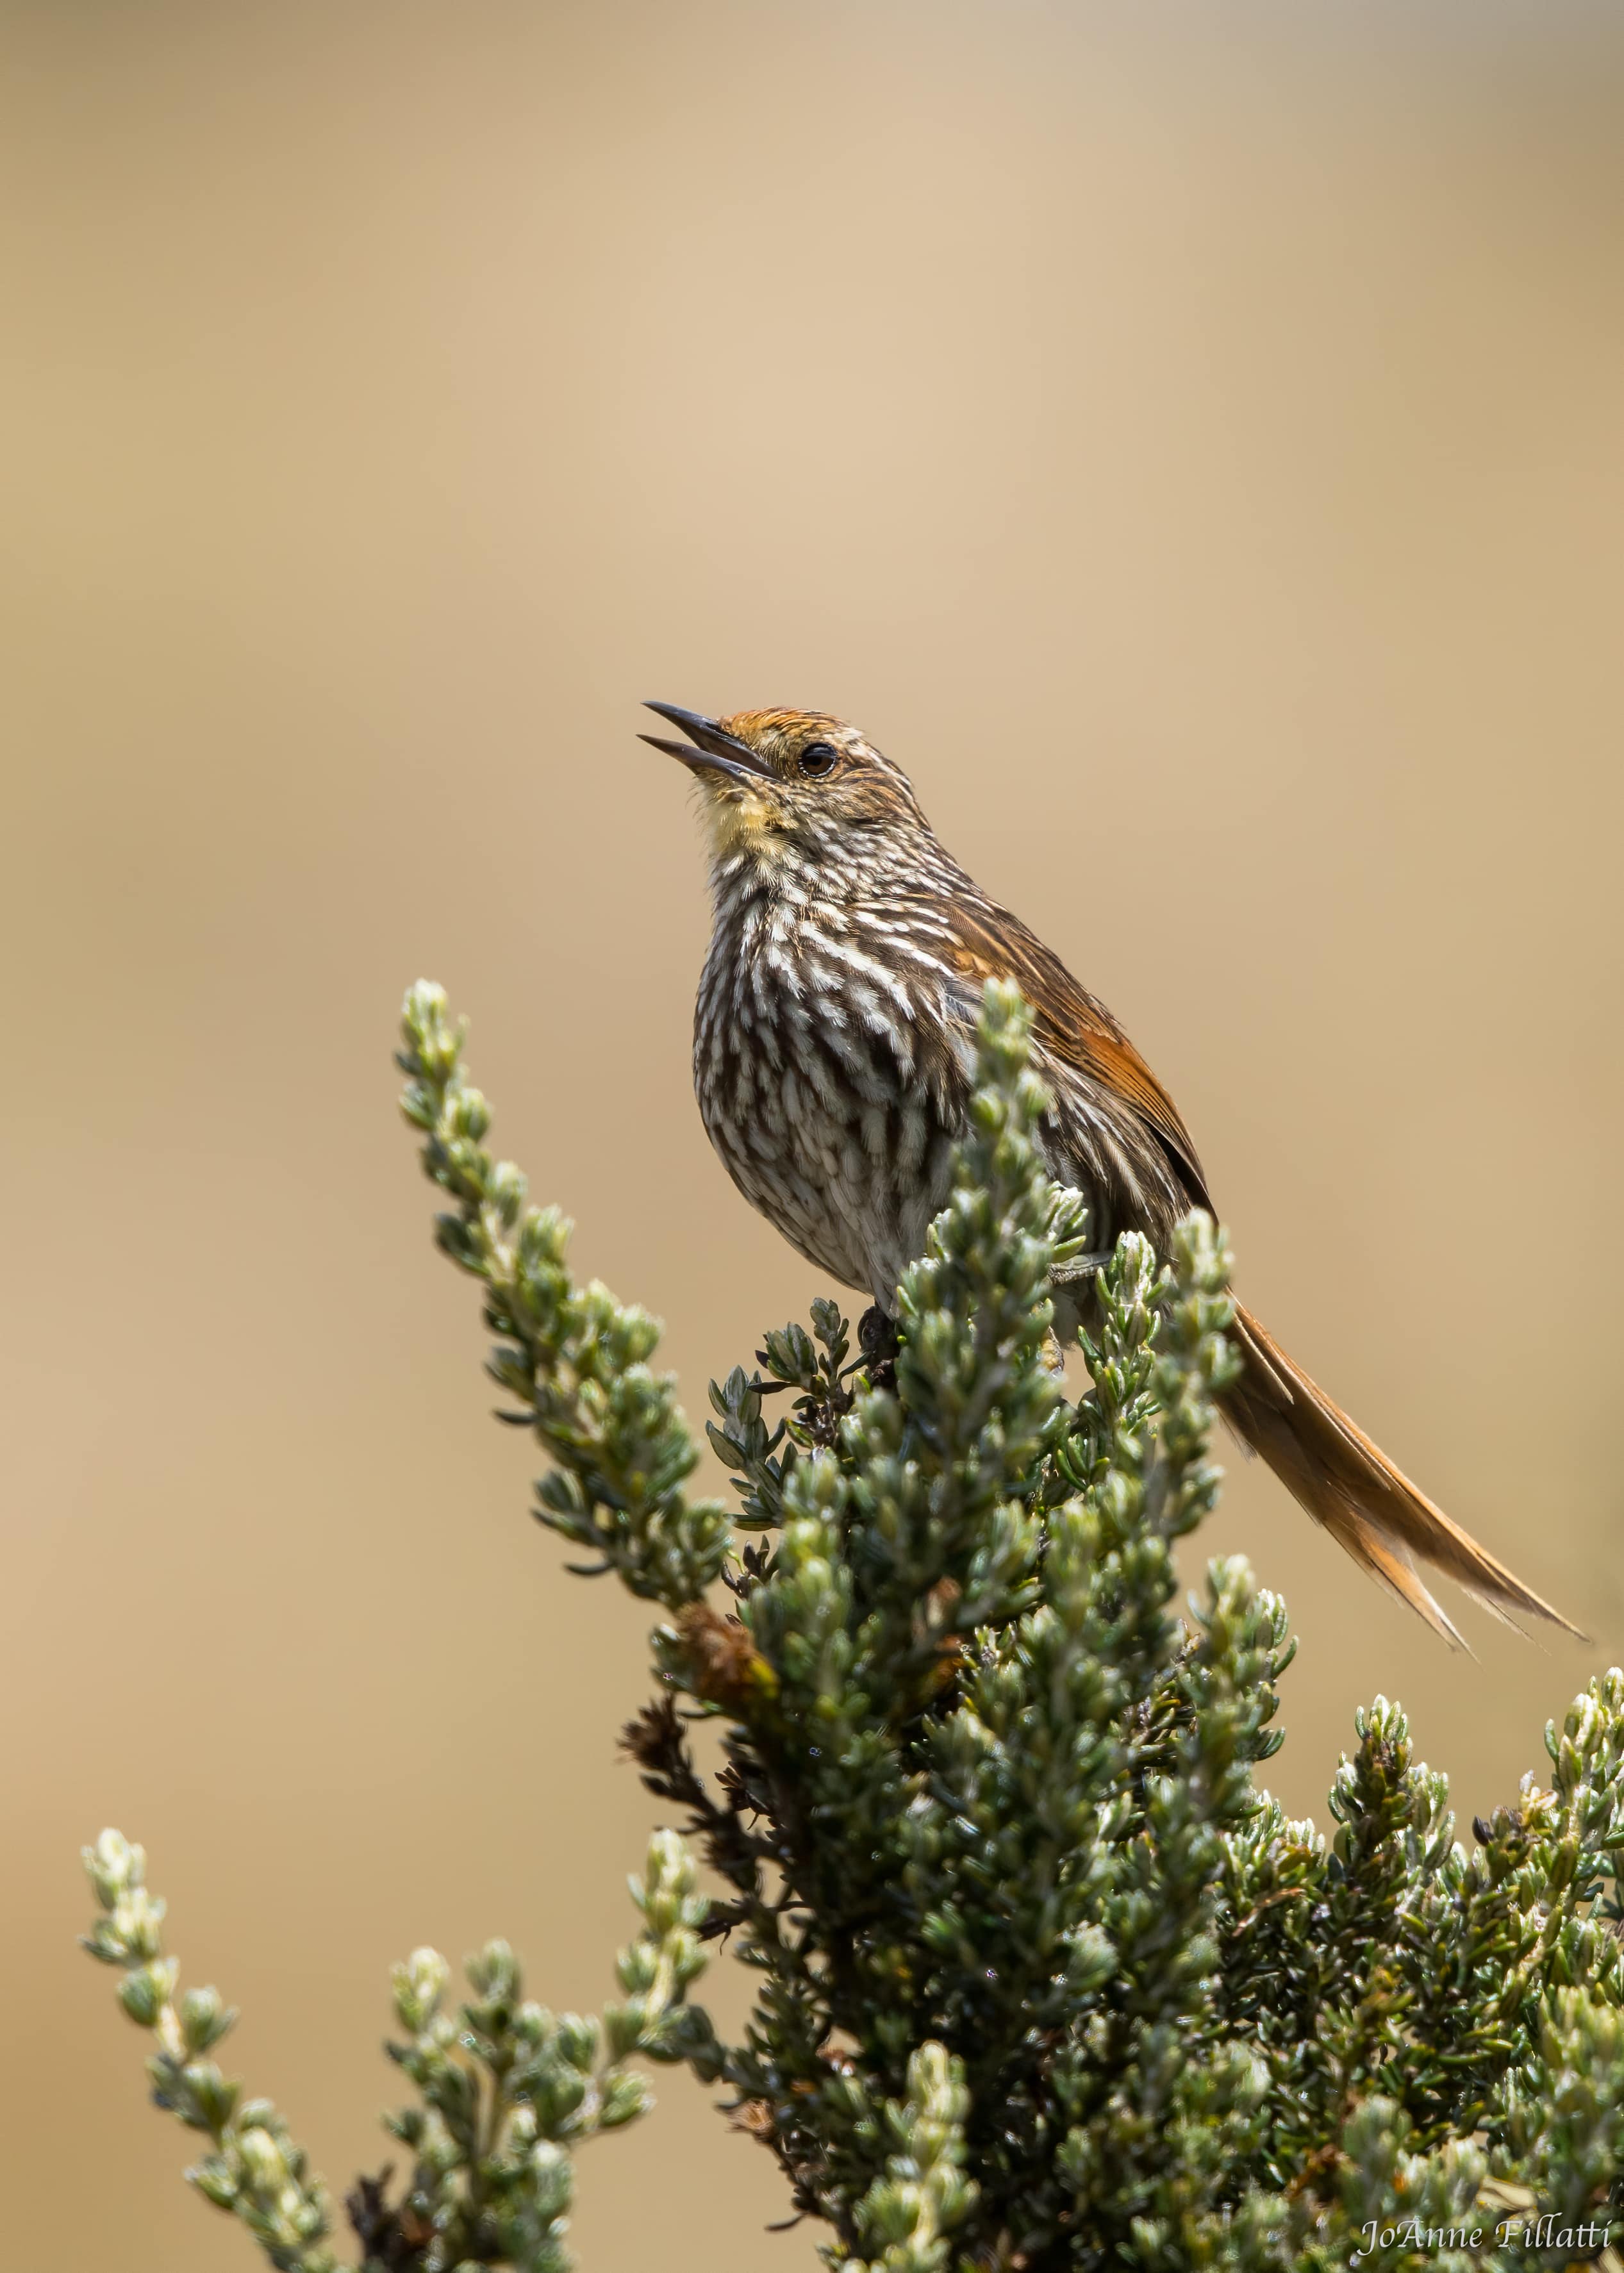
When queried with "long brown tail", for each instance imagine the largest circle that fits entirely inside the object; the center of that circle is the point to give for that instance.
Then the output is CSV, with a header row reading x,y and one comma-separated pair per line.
x,y
1346,1483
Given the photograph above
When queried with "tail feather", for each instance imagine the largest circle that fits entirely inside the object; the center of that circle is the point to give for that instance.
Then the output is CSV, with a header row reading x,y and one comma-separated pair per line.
x,y
1372,1509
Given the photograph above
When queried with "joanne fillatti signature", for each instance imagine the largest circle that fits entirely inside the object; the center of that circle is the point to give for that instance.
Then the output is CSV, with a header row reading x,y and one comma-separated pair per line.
x,y
1584,2239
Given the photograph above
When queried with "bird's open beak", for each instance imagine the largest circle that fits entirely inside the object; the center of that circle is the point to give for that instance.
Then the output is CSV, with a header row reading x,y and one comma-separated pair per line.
x,y
712,750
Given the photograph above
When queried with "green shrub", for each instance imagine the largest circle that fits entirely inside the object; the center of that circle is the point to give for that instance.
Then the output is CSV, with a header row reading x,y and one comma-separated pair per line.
x,y
1044,1978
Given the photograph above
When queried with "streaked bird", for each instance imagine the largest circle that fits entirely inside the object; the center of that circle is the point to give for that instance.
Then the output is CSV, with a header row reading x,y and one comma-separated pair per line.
x,y
833,1043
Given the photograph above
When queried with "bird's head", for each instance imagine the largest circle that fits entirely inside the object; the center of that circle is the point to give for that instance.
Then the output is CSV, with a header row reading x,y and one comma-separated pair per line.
x,y
777,784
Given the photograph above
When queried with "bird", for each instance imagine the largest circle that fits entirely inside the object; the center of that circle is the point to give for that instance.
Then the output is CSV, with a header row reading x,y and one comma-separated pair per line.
x,y
833,1062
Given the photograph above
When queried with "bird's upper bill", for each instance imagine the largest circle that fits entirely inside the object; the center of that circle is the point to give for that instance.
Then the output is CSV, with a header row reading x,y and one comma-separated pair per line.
x,y
711,746
773,775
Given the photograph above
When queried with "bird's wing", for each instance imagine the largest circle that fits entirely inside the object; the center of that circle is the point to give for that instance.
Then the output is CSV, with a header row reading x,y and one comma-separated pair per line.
x,y
1072,1027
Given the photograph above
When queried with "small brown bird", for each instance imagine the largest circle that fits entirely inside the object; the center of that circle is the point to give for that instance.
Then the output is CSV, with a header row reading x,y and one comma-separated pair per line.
x,y
833,1048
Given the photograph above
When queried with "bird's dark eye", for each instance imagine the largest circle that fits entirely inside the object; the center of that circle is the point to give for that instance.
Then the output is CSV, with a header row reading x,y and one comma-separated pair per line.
x,y
817,758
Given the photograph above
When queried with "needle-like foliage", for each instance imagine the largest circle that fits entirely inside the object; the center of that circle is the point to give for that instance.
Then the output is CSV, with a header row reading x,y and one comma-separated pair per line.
x,y
506,2090
1044,1978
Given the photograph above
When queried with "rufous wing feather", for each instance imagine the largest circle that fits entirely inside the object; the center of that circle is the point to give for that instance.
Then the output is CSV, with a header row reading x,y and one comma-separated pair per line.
x,y
1370,1508
1074,1027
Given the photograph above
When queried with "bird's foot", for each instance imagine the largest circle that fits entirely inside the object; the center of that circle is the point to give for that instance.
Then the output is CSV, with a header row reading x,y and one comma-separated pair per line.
x,y
876,1338
1080,1266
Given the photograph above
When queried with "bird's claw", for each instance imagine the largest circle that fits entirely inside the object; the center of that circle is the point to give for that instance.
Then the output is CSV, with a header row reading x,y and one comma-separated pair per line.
x,y
1080,1266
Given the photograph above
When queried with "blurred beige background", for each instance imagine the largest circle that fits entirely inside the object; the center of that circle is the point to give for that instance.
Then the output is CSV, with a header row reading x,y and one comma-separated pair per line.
x,y
1193,442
